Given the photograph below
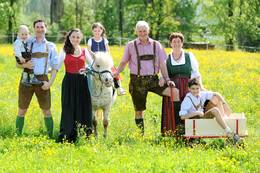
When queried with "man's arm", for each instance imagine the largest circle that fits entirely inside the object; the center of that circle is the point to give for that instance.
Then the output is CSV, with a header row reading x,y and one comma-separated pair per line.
x,y
120,68
46,85
28,65
165,75
123,62
54,62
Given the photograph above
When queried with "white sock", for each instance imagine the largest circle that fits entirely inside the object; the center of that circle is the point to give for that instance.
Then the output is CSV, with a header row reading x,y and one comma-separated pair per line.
x,y
228,130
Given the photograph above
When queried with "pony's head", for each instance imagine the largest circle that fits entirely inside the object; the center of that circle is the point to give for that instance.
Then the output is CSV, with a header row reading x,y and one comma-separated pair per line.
x,y
103,64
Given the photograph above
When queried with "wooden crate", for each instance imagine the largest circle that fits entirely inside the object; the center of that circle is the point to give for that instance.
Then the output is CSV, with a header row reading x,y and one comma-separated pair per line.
x,y
209,128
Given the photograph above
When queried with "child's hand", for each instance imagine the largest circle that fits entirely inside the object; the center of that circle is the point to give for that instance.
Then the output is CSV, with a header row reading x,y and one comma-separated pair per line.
x,y
22,60
200,114
116,74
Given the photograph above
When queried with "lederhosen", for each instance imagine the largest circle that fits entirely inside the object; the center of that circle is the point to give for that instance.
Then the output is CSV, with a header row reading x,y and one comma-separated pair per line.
x,y
180,74
26,92
140,85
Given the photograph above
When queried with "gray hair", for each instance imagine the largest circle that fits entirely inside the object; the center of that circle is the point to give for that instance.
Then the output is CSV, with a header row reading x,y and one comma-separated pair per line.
x,y
142,23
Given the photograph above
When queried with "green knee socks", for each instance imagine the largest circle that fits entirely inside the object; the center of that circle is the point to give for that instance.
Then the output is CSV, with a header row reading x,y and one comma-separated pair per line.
x,y
49,125
19,125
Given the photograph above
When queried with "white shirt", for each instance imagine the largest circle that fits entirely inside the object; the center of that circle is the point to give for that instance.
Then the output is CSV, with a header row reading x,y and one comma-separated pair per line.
x,y
62,55
194,63
187,105
19,47
90,41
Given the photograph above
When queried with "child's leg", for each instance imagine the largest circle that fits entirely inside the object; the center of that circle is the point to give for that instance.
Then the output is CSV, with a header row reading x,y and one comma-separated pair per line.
x,y
216,113
221,104
120,90
215,100
117,83
227,109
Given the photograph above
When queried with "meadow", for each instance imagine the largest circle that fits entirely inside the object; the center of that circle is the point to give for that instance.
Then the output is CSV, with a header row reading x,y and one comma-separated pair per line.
x,y
234,74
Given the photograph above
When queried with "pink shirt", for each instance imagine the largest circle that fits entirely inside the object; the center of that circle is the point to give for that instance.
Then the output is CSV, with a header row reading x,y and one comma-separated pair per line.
x,y
147,68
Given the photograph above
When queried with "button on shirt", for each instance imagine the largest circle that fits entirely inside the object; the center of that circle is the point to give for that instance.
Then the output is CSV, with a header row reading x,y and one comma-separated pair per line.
x,y
187,106
130,57
39,63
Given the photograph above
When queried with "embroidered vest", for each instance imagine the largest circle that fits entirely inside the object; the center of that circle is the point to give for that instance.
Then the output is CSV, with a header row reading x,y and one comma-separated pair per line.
x,y
180,70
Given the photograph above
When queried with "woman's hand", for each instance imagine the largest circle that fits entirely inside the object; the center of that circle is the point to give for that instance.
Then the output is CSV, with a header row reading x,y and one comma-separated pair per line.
x,y
170,83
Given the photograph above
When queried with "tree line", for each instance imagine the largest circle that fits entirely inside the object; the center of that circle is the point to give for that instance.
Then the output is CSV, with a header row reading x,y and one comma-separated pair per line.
x,y
237,22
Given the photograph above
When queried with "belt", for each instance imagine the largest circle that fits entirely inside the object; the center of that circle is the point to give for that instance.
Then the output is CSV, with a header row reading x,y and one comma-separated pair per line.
x,y
40,55
134,76
40,75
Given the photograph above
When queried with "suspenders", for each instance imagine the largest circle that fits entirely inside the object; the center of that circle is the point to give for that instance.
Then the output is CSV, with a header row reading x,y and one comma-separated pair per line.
x,y
195,106
145,57
41,55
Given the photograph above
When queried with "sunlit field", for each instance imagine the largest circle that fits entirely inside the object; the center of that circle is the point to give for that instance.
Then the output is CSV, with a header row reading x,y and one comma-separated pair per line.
x,y
234,74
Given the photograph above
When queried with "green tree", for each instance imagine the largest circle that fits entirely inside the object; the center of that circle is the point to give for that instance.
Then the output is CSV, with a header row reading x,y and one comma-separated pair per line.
x,y
237,20
77,13
248,23
4,15
57,10
185,14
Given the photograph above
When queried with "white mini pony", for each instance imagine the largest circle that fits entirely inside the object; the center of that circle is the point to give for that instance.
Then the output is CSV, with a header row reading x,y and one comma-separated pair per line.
x,y
102,94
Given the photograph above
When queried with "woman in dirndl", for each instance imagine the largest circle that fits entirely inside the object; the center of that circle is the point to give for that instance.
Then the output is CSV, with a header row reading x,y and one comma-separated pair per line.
x,y
181,66
76,100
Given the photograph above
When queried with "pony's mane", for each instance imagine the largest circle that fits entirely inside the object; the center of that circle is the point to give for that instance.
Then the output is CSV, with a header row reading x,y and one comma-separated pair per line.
x,y
104,60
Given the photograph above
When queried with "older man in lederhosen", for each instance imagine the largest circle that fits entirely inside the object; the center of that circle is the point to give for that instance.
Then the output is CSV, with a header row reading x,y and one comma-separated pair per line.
x,y
146,58
43,56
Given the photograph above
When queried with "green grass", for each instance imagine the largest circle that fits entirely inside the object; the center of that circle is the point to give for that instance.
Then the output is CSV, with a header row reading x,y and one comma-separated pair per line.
x,y
234,74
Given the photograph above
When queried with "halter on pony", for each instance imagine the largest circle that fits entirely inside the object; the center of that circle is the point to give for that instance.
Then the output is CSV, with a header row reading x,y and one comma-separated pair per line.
x,y
90,70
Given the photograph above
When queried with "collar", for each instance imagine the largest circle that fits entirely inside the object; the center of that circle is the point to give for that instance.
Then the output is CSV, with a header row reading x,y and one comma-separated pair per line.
x,y
181,61
148,42
97,40
43,41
